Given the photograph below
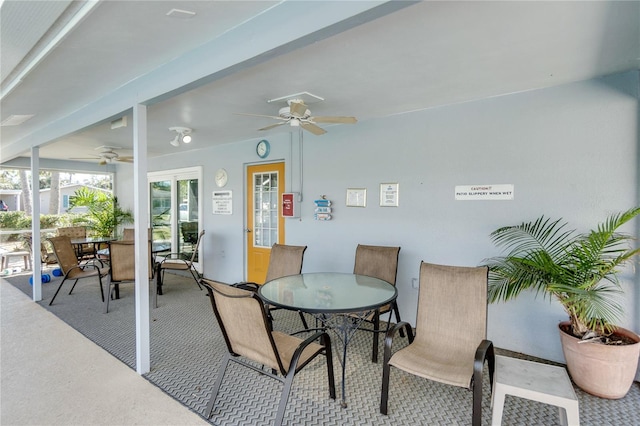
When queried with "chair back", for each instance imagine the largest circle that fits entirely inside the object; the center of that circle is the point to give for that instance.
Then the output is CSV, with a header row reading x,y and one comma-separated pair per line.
x,y
73,232
64,252
285,260
452,309
244,323
194,255
128,234
377,261
122,260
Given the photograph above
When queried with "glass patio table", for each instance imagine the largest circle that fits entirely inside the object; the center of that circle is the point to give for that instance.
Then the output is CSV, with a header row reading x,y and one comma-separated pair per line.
x,y
339,301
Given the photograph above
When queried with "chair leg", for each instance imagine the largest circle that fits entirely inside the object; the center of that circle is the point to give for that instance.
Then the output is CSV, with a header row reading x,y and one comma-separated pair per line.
x,y
195,277
286,390
73,286
101,289
106,297
384,394
216,387
376,331
159,280
59,287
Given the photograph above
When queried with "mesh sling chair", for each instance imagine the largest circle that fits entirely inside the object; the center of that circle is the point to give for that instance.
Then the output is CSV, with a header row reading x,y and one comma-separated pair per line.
x,y
123,268
177,262
450,344
378,262
83,251
248,334
284,260
72,268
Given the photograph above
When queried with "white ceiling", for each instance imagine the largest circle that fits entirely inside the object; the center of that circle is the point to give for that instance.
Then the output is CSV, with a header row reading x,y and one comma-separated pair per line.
x,y
366,59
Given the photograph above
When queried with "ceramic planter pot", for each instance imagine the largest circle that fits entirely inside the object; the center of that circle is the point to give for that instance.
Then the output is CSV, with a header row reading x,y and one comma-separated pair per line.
x,y
606,371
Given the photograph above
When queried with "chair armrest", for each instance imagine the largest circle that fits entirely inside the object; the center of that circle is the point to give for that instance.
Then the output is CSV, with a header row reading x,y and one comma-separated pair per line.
x,y
388,339
174,256
484,352
246,286
326,340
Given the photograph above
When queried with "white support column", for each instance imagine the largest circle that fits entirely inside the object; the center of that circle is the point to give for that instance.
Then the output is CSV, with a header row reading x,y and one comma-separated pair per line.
x,y
36,264
140,188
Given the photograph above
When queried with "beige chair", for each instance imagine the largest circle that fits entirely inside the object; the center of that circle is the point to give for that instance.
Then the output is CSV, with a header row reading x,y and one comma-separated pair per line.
x,y
83,251
284,260
247,332
72,268
450,345
123,268
378,262
177,262
128,234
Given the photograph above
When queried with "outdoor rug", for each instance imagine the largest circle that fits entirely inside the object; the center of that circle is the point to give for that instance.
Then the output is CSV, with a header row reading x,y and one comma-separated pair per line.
x,y
186,348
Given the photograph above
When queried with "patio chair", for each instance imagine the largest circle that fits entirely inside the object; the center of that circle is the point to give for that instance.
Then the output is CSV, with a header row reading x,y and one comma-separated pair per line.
x,y
450,344
128,234
378,262
83,251
284,260
123,269
178,262
72,268
247,332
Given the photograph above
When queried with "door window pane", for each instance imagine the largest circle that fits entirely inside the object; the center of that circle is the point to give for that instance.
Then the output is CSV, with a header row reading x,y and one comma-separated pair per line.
x,y
265,209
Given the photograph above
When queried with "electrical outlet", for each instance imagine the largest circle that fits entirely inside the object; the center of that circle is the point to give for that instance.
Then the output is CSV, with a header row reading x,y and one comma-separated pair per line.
x,y
414,283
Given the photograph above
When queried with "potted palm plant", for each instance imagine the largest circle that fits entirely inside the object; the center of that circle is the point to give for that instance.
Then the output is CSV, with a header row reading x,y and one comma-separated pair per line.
x,y
580,270
104,215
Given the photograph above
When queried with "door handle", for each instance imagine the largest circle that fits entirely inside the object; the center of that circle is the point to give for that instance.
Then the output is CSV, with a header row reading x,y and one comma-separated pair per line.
x,y
247,230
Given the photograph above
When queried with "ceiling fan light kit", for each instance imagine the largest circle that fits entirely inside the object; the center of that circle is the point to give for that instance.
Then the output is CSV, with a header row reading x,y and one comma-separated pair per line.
x,y
183,134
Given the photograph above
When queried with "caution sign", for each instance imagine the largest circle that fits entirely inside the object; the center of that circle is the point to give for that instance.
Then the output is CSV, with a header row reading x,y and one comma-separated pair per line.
x,y
484,192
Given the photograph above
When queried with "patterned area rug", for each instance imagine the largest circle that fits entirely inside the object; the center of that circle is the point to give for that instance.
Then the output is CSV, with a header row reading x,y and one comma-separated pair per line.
x,y
186,346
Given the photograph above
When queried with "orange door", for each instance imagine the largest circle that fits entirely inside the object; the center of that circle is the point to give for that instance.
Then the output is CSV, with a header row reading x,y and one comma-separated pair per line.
x,y
265,224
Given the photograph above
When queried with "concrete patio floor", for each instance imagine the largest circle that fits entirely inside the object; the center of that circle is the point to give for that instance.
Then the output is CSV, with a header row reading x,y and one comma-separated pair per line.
x,y
52,375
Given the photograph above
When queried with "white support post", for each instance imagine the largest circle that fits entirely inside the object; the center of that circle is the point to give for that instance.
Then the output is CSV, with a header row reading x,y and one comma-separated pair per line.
x,y
143,342
36,264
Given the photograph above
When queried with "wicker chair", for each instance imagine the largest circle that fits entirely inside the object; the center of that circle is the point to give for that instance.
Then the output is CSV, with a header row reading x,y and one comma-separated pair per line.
x,y
72,268
378,262
450,345
248,335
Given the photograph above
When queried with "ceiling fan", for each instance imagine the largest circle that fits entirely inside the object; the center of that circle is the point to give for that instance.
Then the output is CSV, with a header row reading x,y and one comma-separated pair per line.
x,y
298,114
106,155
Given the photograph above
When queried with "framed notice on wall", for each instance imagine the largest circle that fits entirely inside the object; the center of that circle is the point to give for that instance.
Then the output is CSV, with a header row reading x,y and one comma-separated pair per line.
x,y
222,202
389,195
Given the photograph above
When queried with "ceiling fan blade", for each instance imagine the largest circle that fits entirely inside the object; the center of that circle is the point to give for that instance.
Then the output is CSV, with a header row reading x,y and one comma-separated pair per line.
x,y
328,119
297,109
273,125
102,162
125,159
259,115
97,157
316,130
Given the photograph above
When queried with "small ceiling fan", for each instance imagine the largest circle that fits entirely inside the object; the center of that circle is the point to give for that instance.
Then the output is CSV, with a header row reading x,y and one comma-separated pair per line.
x,y
106,155
298,114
